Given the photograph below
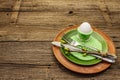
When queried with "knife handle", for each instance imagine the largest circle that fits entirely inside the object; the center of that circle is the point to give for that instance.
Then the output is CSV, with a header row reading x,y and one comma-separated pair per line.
x,y
104,58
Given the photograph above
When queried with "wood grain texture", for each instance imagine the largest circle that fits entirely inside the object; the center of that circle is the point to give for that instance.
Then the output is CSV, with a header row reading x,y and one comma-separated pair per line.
x,y
28,53
28,59
22,44
6,5
16,9
30,33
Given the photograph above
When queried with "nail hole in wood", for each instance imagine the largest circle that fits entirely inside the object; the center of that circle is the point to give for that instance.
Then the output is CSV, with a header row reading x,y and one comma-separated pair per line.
x,y
0,35
7,14
70,12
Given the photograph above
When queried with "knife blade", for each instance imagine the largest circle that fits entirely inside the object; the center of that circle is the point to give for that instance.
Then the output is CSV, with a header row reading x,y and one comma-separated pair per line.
x,y
76,49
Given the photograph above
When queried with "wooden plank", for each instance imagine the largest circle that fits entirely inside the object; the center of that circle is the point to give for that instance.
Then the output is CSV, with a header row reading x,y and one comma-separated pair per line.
x,y
88,11
26,53
6,5
114,11
27,33
79,6
58,18
76,7
104,11
113,5
52,5
35,33
115,17
16,8
39,53
35,72
5,18
23,72
64,74
59,5
53,18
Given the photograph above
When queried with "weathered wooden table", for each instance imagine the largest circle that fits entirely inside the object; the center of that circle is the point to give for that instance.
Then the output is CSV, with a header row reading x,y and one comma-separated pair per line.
x,y
27,28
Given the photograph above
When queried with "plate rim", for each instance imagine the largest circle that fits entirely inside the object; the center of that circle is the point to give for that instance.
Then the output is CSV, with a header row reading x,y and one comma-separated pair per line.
x,y
78,68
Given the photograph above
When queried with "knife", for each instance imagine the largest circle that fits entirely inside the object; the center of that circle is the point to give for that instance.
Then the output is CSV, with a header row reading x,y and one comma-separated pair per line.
x,y
76,49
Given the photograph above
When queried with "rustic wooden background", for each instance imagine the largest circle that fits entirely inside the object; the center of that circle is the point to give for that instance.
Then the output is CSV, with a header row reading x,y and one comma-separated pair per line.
x,y
27,28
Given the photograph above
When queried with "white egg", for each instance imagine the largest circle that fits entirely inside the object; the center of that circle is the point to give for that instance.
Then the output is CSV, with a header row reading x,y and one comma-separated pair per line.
x,y
85,27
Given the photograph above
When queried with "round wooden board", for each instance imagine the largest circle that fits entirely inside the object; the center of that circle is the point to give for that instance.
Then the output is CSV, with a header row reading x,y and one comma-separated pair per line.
x,y
78,68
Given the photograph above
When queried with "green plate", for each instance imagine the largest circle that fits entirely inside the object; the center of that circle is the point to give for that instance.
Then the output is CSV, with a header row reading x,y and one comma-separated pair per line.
x,y
96,40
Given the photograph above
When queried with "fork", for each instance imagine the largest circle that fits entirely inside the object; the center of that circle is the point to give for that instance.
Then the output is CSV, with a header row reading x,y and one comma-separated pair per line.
x,y
75,43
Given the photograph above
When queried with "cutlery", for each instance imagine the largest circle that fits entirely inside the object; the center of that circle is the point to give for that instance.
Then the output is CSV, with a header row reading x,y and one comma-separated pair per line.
x,y
75,43
75,49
